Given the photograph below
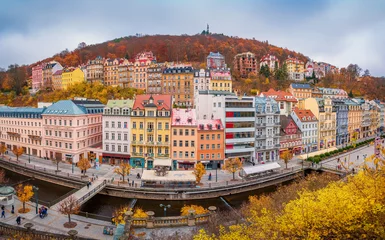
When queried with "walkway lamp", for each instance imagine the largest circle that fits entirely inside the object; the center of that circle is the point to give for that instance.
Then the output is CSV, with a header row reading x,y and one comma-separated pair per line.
x,y
35,190
165,208
216,171
29,158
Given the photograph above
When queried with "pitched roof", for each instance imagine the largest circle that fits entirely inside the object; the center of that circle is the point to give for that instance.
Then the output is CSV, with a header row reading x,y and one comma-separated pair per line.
x,y
279,95
205,124
120,103
75,107
183,117
160,101
304,115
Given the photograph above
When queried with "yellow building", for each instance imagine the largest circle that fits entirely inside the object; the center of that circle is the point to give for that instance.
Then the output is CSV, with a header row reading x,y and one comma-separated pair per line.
x,y
326,114
374,117
71,76
151,130
57,80
354,118
295,68
221,80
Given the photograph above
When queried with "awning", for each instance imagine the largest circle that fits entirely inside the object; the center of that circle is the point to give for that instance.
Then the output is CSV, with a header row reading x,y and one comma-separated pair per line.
x,y
261,168
113,155
162,162
172,176
187,162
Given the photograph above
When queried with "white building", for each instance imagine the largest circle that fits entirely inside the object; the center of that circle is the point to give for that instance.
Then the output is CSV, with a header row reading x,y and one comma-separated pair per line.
x,y
269,60
116,131
308,124
201,80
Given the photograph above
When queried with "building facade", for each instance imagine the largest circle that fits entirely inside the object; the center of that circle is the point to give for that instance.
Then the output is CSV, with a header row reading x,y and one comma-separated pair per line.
x,y
354,118
221,80
71,127
57,83
142,62
285,100
117,131
308,125
48,70
111,71
295,68
334,93
179,82
290,136
210,141
202,80
151,130
71,76
245,63
269,60
95,70
184,138
154,78
37,77
300,90
342,113
125,73
215,61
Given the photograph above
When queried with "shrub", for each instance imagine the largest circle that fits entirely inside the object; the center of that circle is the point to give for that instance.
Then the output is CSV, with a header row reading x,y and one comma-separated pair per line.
x,y
310,159
327,154
322,155
317,159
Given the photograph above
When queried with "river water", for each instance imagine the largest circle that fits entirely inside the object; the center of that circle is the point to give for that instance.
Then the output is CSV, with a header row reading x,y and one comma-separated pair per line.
x,y
105,205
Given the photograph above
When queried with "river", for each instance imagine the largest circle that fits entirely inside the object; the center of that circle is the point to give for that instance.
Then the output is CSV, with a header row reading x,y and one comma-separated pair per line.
x,y
104,205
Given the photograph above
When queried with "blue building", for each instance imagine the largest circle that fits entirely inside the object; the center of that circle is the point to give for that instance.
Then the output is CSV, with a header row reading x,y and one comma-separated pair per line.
x,y
342,133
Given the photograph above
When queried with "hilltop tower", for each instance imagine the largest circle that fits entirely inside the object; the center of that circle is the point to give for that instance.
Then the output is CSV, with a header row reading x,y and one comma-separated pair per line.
x,y
208,30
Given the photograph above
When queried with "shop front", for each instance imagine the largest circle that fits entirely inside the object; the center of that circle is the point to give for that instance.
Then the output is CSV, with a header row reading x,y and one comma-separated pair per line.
x,y
186,165
137,162
115,159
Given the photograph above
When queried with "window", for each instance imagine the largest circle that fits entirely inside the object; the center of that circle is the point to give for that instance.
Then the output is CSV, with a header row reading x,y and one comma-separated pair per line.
x,y
186,154
202,147
70,134
186,143
107,125
207,156
125,148
70,122
192,143
218,146
180,154
180,143
213,156
192,154
207,136
113,148
174,132
119,125
186,132
70,145
180,132
113,124
106,136
174,143
174,153
166,138
219,136
134,125
166,126
119,136
119,148
207,146
141,125
212,146
125,125
65,134
213,137
159,125
112,136
219,156
192,132
202,156
202,137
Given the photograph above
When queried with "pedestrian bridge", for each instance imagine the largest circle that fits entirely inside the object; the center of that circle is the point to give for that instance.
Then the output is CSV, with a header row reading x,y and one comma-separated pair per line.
x,y
86,193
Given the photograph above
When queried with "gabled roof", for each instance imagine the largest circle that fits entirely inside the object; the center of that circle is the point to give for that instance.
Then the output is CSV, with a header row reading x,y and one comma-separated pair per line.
x,y
279,95
205,124
65,107
58,72
305,115
160,102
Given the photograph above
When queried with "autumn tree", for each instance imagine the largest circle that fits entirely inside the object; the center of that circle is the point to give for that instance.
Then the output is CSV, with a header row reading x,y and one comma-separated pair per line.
x,y
123,170
17,76
84,164
18,151
118,215
3,149
233,165
198,209
69,206
199,171
286,156
24,194
56,160
3,179
139,213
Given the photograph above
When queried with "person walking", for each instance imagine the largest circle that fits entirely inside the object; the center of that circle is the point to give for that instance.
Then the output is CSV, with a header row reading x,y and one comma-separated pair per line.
x,y
88,185
18,220
3,214
13,209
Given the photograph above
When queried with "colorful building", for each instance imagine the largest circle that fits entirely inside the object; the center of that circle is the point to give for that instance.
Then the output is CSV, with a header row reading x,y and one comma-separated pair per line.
x,y
285,100
215,61
37,77
111,71
151,130
300,90
117,131
354,118
125,73
334,93
269,60
245,63
210,143
71,76
179,82
48,70
326,115
295,68
342,133
184,138
71,127
95,70
57,83
142,63
154,78
290,136
221,80
308,125
202,80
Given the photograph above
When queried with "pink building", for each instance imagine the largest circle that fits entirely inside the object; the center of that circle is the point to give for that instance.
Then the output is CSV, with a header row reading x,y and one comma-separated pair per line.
x,y
37,77
71,127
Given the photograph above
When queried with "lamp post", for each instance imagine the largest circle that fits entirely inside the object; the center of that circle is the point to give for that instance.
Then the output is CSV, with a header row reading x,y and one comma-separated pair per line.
x,y
72,165
165,208
29,158
35,190
216,171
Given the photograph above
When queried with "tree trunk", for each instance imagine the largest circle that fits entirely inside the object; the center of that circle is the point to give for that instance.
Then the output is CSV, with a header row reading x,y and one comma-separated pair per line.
x,y
286,164
57,165
23,206
233,175
69,218
123,178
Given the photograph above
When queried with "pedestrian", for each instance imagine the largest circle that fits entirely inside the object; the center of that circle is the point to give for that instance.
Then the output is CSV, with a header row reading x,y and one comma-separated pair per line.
x,y
18,220
210,177
2,214
338,160
358,156
13,209
96,176
88,185
2,207
345,160
132,182
353,170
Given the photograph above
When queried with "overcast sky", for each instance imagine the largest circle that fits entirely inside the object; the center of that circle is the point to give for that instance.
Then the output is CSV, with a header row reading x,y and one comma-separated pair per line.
x,y
335,31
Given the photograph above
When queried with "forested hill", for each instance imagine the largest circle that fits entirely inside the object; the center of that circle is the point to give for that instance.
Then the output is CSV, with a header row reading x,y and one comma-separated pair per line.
x,y
169,48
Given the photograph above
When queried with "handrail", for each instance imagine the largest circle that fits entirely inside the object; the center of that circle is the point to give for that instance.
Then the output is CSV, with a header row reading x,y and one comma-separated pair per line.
x,y
88,194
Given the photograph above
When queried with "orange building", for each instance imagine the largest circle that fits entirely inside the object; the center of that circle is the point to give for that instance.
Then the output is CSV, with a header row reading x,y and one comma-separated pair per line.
x,y
184,138
210,143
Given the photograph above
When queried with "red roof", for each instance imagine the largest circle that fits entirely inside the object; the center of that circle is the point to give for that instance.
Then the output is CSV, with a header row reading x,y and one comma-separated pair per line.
x,y
279,95
160,101
206,123
305,115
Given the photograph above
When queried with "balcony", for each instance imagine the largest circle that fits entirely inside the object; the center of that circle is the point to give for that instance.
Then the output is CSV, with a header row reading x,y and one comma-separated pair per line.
x,y
137,154
277,145
150,143
163,155
260,136
232,130
35,137
137,143
150,130
240,150
240,119
163,143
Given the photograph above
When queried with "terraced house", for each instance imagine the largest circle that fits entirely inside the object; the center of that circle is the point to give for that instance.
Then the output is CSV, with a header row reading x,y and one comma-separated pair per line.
x,y
116,131
341,121
308,124
151,130
354,118
179,82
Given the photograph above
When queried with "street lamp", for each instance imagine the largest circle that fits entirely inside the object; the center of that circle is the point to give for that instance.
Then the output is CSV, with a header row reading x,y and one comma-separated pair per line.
x,y
35,190
72,165
165,208
29,158
216,171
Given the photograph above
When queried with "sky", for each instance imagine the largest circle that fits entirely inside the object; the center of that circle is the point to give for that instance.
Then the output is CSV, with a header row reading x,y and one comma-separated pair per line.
x,y
339,32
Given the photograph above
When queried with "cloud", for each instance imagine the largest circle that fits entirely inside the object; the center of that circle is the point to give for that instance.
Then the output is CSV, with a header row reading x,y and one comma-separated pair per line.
x,y
336,31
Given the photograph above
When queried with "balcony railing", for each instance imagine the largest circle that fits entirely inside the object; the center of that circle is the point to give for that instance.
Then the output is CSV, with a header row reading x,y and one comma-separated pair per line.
x,y
163,155
163,143
137,142
150,130
137,154
150,143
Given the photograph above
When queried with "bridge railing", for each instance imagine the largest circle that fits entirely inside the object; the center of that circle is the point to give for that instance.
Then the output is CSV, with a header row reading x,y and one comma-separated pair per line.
x,y
92,192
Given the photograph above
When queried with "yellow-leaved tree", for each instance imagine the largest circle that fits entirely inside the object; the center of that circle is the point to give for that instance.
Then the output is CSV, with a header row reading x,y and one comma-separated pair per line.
x,y
353,208
286,156
18,152
123,170
139,213
198,210
84,164
199,171
24,194
3,149
119,214
232,165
